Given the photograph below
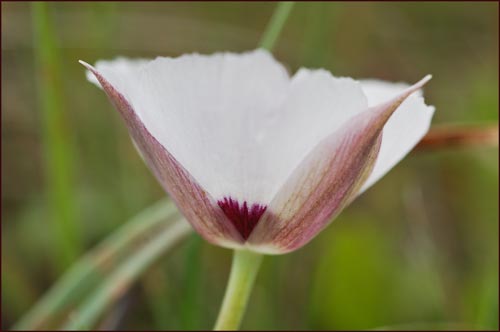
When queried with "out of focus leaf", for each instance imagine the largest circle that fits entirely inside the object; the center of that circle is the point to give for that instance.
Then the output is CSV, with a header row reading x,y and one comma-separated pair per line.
x,y
114,286
95,266
57,140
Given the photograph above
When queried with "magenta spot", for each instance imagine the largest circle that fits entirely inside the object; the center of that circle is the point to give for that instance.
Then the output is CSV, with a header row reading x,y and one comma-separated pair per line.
x,y
243,218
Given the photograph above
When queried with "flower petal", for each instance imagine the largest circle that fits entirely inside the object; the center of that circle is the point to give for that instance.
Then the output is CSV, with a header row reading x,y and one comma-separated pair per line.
x,y
207,111
406,127
325,182
120,66
317,104
198,206
237,122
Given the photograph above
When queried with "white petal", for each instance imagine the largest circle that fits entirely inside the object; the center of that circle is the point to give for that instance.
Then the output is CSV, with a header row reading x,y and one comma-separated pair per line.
x,y
122,67
198,206
326,181
317,105
236,122
403,131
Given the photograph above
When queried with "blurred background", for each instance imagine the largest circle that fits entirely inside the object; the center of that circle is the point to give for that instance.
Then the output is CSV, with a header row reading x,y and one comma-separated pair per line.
x,y
419,250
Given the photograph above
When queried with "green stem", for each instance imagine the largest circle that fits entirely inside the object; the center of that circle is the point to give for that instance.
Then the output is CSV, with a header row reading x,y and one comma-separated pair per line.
x,y
275,25
243,272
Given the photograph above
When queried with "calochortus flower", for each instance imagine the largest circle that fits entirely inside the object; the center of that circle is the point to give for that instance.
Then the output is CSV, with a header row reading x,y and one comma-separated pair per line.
x,y
256,159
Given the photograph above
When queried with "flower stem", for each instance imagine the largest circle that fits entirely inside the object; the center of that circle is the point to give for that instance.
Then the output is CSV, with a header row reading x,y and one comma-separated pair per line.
x,y
243,272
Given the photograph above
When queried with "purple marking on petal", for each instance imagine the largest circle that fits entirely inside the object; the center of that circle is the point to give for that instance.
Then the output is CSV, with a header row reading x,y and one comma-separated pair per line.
x,y
243,218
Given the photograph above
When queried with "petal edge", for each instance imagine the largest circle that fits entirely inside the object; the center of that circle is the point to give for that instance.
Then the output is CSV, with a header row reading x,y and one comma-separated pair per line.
x,y
199,208
326,181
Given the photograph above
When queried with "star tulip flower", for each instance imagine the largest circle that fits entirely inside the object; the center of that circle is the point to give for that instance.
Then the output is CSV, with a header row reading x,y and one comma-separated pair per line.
x,y
256,159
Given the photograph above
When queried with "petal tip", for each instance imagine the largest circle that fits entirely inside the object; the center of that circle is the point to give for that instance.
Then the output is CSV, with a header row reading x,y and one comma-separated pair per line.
x,y
421,83
426,79
92,74
88,66
415,87
84,63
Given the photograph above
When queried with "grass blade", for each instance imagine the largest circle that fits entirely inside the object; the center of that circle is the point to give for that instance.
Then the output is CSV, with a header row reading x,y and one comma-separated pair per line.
x,y
85,316
56,137
275,25
93,267
189,305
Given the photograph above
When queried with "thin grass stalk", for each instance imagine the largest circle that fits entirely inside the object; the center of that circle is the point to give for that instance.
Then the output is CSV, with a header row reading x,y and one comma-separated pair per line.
x,y
275,25
190,310
89,312
93,267
56,140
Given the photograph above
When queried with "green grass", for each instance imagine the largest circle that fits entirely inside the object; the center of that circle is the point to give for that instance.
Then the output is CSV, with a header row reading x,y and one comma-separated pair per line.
x,y
57,138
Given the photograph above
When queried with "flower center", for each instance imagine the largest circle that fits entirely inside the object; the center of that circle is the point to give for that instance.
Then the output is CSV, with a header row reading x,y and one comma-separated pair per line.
x,y
243,218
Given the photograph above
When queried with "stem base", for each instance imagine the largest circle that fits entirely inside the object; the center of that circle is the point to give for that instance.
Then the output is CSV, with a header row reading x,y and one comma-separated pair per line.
x,y
241,279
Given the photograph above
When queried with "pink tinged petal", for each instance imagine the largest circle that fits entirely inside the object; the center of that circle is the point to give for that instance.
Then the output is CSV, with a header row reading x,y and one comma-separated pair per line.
x,y
406,127
199,208
325,182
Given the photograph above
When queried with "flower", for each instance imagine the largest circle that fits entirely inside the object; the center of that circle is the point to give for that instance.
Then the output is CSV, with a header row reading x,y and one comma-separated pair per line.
x,y
252,157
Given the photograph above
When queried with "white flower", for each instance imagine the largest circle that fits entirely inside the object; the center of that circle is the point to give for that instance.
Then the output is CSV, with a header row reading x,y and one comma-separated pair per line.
x,y
253,157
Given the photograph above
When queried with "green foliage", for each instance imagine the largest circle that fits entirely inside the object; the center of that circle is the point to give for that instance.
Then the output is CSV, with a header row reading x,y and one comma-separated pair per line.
x,y
57,139
118,250
353,284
